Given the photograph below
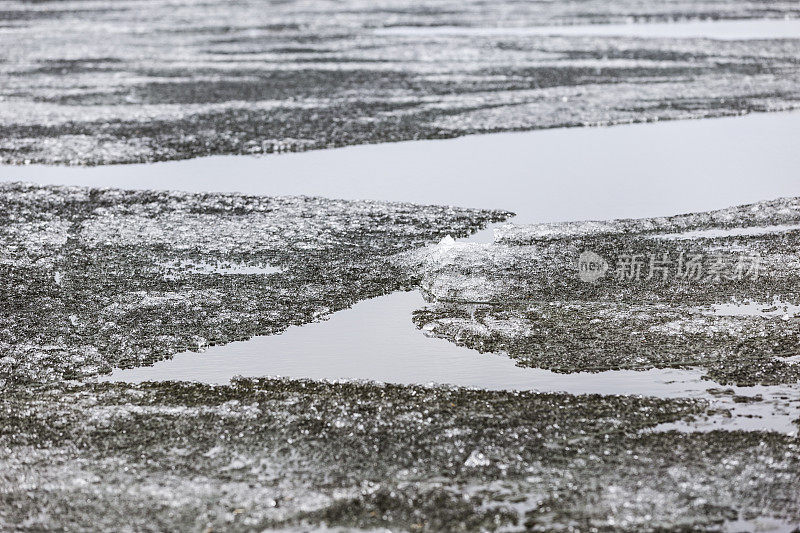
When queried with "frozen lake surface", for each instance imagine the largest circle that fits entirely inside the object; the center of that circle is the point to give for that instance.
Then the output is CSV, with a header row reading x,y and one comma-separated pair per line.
x,y
544,176
288,454
116,85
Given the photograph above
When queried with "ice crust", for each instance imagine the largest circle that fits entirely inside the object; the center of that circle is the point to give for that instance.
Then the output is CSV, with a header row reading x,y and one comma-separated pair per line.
x,y
97,278
522,295
84,84
301,455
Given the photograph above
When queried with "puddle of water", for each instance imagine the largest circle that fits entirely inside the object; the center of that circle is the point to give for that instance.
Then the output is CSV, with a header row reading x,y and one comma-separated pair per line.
x,y
717,30
554,175
376,340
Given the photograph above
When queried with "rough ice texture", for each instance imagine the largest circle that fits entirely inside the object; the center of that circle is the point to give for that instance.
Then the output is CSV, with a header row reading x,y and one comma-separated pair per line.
x,y
96,278
90,84
302,455
523,296
783,211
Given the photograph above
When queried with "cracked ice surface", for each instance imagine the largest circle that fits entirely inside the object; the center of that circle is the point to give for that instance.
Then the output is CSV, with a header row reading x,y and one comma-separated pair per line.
x,y
97,278
523,296
84,84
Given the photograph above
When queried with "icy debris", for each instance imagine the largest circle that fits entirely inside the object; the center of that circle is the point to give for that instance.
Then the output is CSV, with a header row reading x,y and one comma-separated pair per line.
x,y
228,269
281,454
454,271
138,276
775,308
542,261
89,85
476,458
583,336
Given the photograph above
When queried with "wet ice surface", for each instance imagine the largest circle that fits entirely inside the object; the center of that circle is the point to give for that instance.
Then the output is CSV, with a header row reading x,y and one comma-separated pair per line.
x,y
291,454
524,295
376,340
97,278
119,84
548,176
298,454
